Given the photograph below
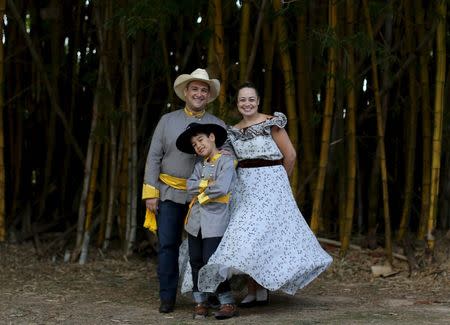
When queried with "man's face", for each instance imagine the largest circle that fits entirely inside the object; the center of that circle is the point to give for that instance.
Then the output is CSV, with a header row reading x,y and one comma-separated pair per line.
x,y
196,95
204,144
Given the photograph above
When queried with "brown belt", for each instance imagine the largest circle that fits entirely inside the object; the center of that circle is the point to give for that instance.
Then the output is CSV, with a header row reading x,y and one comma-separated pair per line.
x,y
253,163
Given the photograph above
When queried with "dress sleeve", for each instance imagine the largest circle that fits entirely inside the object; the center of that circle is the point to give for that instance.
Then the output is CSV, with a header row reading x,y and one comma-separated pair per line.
x,y
278,119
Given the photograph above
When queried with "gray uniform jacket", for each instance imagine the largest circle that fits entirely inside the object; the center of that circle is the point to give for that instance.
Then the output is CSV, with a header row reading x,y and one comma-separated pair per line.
x,y
211,217
164,157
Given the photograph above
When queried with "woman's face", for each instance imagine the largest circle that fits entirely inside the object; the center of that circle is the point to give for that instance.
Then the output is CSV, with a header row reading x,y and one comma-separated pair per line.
x,y
247,101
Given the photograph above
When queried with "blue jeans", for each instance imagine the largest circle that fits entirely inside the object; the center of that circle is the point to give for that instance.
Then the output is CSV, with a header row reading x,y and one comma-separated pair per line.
x,y
200,250
170,220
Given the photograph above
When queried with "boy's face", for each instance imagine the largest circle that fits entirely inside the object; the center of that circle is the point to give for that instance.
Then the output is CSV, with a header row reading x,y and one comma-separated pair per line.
x,y
204,144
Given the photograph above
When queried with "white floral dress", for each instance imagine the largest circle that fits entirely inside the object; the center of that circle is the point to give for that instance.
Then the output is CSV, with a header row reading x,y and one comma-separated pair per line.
x,y
267,237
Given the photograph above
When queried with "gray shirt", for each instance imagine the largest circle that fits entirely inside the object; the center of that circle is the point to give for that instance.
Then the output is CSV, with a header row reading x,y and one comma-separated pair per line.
x,y
164,157
211,217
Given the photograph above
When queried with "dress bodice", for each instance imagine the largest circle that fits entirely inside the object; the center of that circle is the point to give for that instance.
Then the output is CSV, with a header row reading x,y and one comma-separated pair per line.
x,y
255,141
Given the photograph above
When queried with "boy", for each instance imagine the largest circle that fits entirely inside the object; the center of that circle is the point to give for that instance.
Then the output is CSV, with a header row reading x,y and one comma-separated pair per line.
x,y
209,188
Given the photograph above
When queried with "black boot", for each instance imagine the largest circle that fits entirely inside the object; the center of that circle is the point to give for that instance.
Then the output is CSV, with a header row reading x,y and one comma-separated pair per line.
x,y
166,306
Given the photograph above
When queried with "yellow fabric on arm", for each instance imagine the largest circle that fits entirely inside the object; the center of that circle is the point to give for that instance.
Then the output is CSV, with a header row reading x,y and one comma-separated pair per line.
x,y
203,185
223,199
150,221
175,182
149,192
203,198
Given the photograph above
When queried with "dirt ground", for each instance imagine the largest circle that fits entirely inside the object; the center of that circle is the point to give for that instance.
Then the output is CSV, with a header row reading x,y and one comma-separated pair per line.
x,y
111,289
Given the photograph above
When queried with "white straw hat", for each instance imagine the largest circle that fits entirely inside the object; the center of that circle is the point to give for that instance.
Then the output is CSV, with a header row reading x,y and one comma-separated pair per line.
x,y
198,75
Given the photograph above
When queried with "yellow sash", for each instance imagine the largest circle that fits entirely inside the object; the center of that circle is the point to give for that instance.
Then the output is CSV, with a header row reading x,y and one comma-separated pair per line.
x,y
172,181
223,199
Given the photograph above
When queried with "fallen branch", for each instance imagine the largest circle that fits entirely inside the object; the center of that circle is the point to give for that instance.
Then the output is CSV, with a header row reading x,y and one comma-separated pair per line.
x,y
356,247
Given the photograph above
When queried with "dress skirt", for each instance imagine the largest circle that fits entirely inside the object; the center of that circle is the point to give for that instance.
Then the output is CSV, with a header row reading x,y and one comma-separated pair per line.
x,y
267,237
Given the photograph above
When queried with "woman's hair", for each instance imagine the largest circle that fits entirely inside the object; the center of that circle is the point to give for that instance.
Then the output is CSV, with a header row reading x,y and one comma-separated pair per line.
x,y
248,84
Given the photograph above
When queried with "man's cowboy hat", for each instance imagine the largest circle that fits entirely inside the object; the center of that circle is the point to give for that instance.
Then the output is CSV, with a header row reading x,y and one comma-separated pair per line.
x,y
200,75
184,139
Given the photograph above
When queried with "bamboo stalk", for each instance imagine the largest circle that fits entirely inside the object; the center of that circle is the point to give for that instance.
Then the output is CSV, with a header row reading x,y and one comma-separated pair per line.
x,y
112,187
51,92
269,39
219,46
90,205
289,85
412,128
304,103
135,54
441,9
327,122
351,134
2,141
244,37
251,59
87,168
380,134
426,119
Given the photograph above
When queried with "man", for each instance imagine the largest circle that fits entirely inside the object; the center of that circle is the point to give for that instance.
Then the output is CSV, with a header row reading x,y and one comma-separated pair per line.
x,y
166,171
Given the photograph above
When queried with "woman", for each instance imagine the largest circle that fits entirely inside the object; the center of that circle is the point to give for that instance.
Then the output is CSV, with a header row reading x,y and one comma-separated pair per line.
x,y
267,237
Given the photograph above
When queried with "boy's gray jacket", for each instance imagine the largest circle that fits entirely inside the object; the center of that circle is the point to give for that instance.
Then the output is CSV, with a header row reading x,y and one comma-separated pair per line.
x,y
206,214
164,157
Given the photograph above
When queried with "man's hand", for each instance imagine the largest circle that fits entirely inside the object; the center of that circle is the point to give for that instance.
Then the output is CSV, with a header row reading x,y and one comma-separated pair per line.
x,y
152,204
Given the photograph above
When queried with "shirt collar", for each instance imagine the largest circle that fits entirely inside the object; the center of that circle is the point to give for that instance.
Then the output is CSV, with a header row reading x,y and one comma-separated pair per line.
x,y
214,158
194,114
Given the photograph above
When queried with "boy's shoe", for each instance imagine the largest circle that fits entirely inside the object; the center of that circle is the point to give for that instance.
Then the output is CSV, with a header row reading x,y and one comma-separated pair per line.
x,y
200,311
226,311
213,302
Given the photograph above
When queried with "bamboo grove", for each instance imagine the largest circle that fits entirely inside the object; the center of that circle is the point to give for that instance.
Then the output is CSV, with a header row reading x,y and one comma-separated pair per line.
x,y
365,86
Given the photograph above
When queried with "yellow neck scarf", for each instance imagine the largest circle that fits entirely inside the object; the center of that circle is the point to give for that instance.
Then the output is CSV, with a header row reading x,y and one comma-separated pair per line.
x,y
194,114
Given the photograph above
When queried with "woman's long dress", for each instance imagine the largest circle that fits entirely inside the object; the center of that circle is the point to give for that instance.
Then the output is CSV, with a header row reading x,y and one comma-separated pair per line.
x,y
267,237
